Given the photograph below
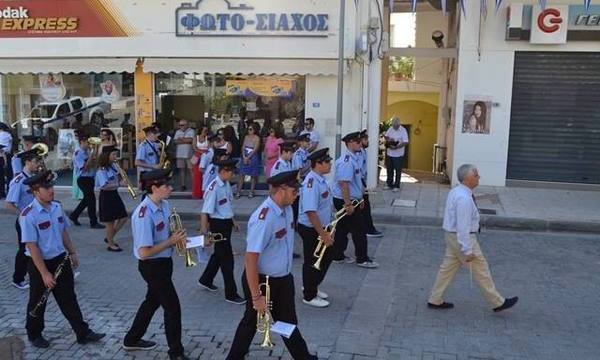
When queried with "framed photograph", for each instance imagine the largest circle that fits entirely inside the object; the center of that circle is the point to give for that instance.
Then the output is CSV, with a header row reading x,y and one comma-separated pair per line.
x,y
67,143
477,115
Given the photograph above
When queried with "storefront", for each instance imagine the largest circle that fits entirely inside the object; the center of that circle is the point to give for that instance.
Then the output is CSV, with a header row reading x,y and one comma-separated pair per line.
x,y
527,95
102,64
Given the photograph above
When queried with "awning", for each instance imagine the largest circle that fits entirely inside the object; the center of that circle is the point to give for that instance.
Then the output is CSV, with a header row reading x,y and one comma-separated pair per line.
x,y
242,66
66,65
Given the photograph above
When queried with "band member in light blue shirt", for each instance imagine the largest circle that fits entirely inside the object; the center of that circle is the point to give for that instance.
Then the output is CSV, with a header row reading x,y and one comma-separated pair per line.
x,y
270,243
153,247
28,141
212,169
84,166
44,228
284,163
217,217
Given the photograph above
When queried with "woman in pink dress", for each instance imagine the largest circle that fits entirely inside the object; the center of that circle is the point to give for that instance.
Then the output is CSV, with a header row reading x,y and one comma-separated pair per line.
x,y
271,150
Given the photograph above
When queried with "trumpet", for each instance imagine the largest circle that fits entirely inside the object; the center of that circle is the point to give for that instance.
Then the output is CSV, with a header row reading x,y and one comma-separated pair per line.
x,y
94,143
175,225
319,252
212,238
263,321
125,178
163,161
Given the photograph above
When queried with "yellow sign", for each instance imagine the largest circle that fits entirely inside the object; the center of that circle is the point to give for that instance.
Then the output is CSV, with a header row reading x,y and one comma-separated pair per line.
x,y
278,88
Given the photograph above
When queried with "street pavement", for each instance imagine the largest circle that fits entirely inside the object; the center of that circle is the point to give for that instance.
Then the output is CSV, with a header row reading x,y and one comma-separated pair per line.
x,y
375,314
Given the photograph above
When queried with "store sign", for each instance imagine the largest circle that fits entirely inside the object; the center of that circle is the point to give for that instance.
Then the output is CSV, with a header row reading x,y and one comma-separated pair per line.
x,y
276,88
231,18
69,18
556,24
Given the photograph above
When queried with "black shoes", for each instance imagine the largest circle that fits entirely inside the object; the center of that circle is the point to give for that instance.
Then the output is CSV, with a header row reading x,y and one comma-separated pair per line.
x,y
236,300
91,337
40,342
139,345
508,303
75,221
442,306
96,226
209,287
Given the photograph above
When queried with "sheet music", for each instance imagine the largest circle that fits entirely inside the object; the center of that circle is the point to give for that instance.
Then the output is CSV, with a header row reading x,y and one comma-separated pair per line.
x,y
194,242
283,328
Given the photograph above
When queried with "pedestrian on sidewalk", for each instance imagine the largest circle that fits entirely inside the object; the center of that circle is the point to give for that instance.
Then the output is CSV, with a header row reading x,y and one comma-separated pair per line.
x,y
461,223
217,217
184,137
396,139
200,147
362,157
250,161
84,166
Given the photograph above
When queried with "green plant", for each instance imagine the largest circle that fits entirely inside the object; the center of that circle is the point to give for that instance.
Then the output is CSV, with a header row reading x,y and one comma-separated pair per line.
x,y
402,67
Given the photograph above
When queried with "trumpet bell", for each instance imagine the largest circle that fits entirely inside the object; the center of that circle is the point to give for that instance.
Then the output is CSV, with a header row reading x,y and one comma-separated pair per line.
x,y
41,149
94,141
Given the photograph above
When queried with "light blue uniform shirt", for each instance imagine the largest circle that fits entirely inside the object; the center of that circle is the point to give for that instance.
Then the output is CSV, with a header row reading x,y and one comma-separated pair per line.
x,y
106,176
217,200
18,193
347,169
45,227
207,159
150,226
270,234
209,175
315,196
300,161
16,164
281,166
80,157
148,153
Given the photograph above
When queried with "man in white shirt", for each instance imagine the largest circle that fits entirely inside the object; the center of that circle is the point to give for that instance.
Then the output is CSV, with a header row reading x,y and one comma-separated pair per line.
x,y
184,137
396,139
309,128
461,223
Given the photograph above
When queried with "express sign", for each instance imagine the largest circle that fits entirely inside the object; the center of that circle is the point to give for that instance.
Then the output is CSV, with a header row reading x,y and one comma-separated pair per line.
x,y
549,24
244,20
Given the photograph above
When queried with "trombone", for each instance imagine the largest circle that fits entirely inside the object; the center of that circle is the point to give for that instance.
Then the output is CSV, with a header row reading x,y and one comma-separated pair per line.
x,y
263,321
319,252
125,178
175,225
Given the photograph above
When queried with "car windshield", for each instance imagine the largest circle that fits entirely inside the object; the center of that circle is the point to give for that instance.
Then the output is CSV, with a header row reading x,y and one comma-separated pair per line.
x,y
44,111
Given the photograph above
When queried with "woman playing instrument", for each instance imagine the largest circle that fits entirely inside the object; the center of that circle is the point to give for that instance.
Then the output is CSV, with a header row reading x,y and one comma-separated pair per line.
x,y
112,208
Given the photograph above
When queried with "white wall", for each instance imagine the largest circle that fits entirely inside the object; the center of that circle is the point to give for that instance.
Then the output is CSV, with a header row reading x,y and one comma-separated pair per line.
x,y
491,74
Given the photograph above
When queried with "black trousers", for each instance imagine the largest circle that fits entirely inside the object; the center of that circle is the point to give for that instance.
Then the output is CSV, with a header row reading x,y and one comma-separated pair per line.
x,y
355,225
64,294
369,226
161,293
222,257
86,184
311,277
295,209
284,309
21,259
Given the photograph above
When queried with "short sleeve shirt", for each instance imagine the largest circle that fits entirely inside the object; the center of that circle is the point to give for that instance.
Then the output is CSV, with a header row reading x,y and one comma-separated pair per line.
x,y
150,226
44,226
209,175
106,176
80,157
400,135
218,200
315,195
184,151
347,169
18,193
281,166
148,153
207,159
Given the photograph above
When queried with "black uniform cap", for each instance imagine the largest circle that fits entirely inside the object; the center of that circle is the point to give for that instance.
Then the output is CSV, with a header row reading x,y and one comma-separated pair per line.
x,y
155,176
288,146
364,134
32,138
353,136
108,149
320,155
289,178
28,154
229,164
151,129
4,127
218,153
44,179
303,137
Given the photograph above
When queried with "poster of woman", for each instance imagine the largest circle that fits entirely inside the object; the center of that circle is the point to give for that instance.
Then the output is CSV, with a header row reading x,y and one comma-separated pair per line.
x,y
66,144
112,136
476,116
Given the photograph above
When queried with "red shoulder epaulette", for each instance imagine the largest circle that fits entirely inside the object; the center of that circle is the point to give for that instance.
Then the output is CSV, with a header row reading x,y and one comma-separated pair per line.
x,y
212,185
26,210
263,213
18,178
347,158
310,183
142,212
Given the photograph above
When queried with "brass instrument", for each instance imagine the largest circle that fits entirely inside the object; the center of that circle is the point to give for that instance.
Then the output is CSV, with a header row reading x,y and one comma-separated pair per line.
x,y
42,150
263,321
94,143
319,252
163,161
212,238
44,298
175,225
125,178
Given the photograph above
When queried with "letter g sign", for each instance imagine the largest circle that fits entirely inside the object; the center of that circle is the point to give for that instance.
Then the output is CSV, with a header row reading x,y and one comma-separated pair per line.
x,y
549,19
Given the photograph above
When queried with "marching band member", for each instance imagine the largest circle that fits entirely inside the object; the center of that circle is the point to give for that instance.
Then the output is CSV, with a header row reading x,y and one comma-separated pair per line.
x,y
362,158
270,242
284,163
85,170
316,207
44,231
148,153
212,169
17,199
217,217
112,208
300,163
207,158
153,247
348,187
28,141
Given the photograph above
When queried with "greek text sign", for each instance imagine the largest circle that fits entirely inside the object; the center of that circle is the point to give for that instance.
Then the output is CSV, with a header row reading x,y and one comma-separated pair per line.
x,y
231,18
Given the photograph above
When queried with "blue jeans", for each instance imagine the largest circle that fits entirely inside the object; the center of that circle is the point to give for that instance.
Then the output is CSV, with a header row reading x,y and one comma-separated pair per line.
x,y
394,165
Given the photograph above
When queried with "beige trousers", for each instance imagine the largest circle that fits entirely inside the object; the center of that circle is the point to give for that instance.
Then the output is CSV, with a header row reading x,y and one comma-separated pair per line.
x,y
453,260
